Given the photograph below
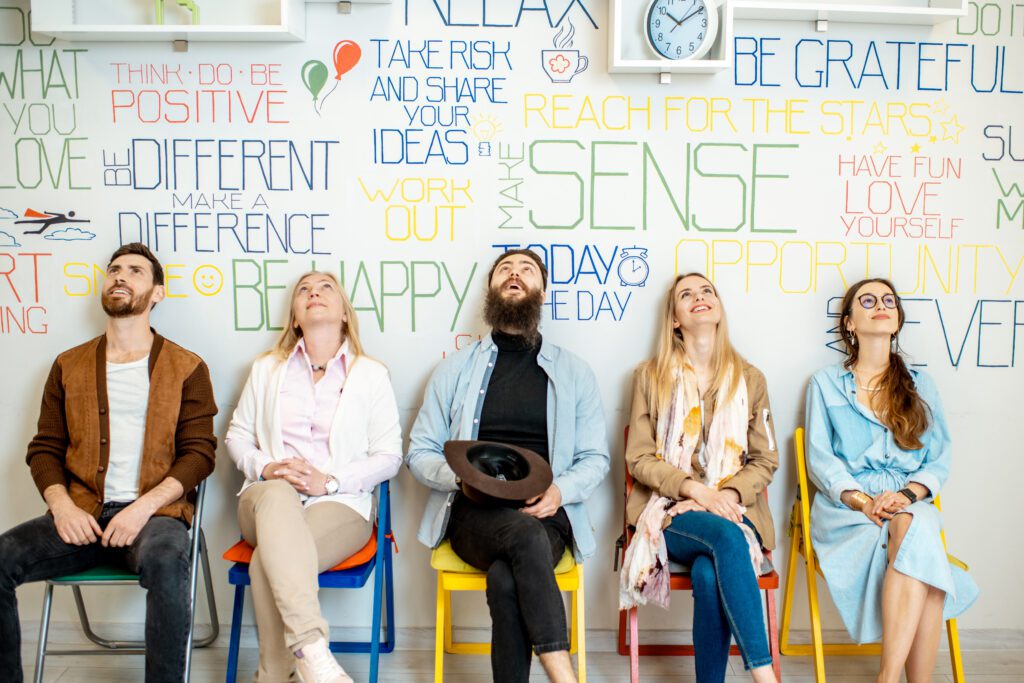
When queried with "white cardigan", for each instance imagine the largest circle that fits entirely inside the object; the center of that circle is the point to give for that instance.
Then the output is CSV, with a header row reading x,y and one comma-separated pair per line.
x,y
365,425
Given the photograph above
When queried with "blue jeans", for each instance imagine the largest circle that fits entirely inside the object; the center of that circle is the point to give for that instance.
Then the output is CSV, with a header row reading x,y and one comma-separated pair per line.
x,y
726,599
33,551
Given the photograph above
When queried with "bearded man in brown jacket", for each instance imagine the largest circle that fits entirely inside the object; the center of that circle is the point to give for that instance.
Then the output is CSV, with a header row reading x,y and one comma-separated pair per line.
x,y
125,435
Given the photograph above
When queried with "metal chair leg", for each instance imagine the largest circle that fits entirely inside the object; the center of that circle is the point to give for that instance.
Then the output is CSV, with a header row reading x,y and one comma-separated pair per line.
x,y
211,600
378,604
955,656
773,632
137,646
788,593
236,633
439,629
581,628
44,632
634,644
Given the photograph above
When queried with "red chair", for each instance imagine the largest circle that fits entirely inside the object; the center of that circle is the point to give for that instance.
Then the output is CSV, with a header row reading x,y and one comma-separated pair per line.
x,y
681,581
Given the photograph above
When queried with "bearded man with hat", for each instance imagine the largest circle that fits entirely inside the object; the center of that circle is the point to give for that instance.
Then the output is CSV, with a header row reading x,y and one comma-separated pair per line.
x,y
520,420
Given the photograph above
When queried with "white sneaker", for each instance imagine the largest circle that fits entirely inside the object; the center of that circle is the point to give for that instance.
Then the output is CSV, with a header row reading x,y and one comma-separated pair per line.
x,y
316,664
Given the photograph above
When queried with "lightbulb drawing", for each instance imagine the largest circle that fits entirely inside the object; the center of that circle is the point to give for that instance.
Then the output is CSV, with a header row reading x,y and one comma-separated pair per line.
x,y
484,129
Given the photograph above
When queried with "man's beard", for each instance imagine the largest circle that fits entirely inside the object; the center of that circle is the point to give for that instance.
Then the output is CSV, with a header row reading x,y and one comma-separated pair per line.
x,y
136,304
509,314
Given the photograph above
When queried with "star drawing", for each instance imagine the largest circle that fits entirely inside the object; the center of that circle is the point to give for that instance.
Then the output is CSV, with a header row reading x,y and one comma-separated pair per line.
x,y
951,129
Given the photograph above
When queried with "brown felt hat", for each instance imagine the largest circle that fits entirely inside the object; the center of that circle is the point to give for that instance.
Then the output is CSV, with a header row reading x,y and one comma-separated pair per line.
x,y
496,473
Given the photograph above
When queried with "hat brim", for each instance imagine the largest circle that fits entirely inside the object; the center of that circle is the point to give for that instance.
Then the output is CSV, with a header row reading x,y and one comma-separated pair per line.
x,y
537,480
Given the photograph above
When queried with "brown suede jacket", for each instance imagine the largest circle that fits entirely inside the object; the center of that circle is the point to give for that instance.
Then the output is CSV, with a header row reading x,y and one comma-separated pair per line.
x,y
72,445
651,473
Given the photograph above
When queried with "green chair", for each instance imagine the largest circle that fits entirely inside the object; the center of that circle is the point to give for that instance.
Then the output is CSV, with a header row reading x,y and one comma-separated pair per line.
x,y
106,575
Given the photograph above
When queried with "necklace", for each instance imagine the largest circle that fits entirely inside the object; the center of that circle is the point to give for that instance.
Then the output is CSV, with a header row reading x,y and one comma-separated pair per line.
x,y
318,368
861,386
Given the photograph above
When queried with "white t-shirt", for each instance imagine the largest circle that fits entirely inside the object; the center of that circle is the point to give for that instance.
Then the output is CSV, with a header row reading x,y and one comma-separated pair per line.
x,y
128,398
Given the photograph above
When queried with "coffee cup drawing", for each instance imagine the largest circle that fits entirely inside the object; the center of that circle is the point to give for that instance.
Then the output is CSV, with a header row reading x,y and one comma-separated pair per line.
x,y
561,66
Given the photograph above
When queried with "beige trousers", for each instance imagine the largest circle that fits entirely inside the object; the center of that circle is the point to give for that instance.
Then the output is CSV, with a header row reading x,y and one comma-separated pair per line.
x,y
293,544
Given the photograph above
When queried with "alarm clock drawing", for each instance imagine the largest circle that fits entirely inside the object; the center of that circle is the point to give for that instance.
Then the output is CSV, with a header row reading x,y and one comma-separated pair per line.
x,y
681,29
633,269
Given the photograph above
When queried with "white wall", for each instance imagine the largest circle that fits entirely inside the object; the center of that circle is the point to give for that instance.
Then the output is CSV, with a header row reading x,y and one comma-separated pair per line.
x,y
777,306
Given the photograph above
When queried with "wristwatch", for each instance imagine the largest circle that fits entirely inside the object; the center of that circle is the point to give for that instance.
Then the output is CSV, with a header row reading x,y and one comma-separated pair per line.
x,y
331,486
909,493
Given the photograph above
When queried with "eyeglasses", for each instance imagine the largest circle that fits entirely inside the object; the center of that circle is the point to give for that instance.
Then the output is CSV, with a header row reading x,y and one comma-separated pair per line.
x,y
869,301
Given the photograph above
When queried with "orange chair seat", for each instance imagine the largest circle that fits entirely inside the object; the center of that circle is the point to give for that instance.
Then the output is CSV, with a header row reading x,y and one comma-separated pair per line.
x,y
242,552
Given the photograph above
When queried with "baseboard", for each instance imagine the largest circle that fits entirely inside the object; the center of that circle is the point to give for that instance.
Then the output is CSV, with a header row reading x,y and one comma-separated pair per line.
x,y
69,633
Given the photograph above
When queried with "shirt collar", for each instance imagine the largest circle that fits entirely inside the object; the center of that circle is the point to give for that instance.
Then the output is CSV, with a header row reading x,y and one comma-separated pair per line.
x,y
300,352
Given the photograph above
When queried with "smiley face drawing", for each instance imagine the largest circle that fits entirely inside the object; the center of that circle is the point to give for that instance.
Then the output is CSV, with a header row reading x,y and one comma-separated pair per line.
x,y
208,280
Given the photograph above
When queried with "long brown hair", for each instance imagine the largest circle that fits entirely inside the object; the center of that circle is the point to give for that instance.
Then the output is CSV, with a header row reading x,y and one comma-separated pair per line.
x,y
291,334
726,362
897,403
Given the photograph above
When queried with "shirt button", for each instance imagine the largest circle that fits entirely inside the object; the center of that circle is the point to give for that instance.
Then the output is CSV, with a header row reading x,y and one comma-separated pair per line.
x,y
103,440
101,468
481,392
475,421
886,455
103,411
490,365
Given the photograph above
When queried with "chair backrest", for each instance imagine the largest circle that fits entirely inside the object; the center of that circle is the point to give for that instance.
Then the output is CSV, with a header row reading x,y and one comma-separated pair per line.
x,y
384,510
802,489
197,518
629,477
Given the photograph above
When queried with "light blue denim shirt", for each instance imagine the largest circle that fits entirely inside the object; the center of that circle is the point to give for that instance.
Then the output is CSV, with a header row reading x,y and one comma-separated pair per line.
x,y
451,409
850,449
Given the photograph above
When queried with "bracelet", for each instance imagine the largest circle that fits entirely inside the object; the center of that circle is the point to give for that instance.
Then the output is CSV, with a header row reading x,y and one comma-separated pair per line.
x,y
862,498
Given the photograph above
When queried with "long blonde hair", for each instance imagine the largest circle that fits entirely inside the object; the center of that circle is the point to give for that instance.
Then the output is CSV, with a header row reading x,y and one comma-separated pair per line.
x,y
291,334
660,371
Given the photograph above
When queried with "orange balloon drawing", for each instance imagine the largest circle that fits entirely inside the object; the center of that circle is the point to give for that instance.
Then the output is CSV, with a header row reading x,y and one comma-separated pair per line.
x,y
346,56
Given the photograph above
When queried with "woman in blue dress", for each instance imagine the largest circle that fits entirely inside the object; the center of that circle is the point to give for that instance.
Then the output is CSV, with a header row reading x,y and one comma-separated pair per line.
x,y
879,451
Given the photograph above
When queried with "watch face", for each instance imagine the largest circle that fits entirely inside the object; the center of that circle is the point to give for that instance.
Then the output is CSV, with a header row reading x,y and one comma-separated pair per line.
x,y
681,29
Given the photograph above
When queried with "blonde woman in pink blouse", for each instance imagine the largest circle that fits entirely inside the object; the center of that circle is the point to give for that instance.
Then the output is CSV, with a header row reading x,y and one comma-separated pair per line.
x,y
315,430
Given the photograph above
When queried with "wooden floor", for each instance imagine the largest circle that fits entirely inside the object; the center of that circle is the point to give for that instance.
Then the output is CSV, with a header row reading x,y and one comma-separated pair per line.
x,y
417,666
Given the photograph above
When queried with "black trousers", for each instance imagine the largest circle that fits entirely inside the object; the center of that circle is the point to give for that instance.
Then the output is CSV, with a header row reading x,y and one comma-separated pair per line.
x,y
518,552
33,551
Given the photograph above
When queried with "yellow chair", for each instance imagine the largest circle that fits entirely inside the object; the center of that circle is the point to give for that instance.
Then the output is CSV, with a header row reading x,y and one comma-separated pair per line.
x,y
455,575
800,543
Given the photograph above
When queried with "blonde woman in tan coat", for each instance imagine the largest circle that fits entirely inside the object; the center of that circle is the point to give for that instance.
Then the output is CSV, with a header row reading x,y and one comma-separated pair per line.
x,y
702,450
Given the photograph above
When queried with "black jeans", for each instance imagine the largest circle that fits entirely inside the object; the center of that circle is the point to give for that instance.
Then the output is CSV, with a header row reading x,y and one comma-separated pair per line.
x,y
518,552
160,556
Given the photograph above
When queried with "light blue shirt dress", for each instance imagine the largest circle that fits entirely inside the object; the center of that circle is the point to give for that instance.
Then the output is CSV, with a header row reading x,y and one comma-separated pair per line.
x,y
849,448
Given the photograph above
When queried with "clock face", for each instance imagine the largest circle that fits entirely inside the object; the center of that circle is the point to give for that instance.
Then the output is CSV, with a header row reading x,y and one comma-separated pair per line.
x,y
633,271
681,29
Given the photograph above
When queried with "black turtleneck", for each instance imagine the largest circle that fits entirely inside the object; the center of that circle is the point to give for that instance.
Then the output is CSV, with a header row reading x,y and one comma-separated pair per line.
x,y
516,403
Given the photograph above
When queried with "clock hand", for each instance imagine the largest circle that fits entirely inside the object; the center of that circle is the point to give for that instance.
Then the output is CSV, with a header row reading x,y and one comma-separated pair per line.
x,y
678,21
694,12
